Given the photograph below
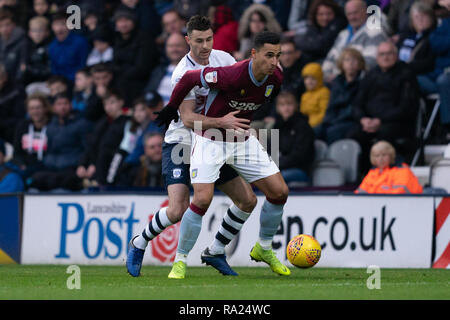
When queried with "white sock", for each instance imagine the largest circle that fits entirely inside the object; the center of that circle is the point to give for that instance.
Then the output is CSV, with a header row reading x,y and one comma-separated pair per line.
x,y
266,244
158,224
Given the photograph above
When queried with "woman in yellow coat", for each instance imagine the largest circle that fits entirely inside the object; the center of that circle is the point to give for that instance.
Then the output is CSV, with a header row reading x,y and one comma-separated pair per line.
x,y
314,101
386,177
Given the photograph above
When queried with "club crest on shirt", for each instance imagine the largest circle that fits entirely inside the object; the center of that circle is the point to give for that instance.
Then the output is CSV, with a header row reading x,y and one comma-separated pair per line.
x,y
242,92
176,173
194,173
211,77
269,90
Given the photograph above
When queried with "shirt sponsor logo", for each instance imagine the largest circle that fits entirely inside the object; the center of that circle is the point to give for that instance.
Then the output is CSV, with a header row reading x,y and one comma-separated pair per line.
x,y
243,105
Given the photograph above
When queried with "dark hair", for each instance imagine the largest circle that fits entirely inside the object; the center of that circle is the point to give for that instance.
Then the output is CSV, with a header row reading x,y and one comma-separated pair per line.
x,y
57,78
198,22
312,12
62,95
101,67
266,37
6,13
113,93
86,71
59,15
288,40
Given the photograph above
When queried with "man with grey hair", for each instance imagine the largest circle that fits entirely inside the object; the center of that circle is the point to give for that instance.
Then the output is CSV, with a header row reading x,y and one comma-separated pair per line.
x,y
361,34
385,107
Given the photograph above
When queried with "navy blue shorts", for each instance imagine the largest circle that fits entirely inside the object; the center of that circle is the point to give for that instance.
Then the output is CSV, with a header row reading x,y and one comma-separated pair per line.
x,y
179,173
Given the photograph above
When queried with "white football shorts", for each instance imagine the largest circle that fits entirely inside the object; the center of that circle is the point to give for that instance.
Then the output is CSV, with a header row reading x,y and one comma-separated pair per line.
x,y
248,158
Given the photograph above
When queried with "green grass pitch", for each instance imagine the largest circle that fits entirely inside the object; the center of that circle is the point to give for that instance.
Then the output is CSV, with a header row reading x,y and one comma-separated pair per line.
x,y
204,283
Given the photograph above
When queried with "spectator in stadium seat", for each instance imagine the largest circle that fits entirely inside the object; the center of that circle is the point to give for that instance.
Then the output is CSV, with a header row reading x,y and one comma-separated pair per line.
x,y
358,34
10,179
293,61
67,135
148,174
57,84
12,109
104,80
30,139
12,44
102,51
104,141
296,139
84,98
160,80
37,64
414,47
338,120
398,18
438,80
147,18
387,176
172,22
68,51
315,100
154,104
256,18
298,17
225,28
385,107
325,21
41,8
135,56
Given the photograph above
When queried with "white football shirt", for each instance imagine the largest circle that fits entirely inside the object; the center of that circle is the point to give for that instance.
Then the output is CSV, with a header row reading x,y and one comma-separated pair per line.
x,y
177,131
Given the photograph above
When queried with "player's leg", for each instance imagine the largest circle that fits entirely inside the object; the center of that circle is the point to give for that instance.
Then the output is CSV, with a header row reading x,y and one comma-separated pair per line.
x,y
255,166
207,158
276,191
190,227
176,178
244,201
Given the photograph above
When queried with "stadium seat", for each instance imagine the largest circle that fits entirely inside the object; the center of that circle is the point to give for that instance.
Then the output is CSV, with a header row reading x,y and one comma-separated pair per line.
x,y
346,153
321,148
440,174
327,173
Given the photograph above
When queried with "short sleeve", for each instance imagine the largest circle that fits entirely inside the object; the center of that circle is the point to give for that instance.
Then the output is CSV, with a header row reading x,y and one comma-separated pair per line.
x,y
217,78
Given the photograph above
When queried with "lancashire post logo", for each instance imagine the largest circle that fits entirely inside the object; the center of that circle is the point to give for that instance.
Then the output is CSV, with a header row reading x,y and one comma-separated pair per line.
x,y
164,246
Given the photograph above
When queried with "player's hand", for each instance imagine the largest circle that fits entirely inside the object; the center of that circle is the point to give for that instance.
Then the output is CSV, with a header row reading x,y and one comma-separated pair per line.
x,y
166,115
229,121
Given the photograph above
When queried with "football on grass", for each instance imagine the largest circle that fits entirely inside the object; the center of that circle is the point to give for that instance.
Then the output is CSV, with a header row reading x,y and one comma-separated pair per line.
x,y
303,251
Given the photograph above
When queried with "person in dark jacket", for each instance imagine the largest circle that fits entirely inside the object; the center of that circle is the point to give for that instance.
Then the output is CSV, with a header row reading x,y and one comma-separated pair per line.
x,y
68,51
30,140
386,105
135,56
104,141
12,109
325,21
10,179
414,47
296,139
37,65
338,120
12,44
67,135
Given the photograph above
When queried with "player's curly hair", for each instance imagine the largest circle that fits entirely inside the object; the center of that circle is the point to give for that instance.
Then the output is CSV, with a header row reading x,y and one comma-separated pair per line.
x,y
198,22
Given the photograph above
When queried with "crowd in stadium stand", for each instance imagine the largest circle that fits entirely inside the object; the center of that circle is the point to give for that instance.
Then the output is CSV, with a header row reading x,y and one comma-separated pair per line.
x,y
77,105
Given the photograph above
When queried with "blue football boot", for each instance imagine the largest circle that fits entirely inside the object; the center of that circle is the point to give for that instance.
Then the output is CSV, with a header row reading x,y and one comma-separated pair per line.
x,y
134,259
217,261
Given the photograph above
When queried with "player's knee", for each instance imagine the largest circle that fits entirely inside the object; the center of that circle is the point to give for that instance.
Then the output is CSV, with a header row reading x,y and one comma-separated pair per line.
x,y
176,210
280,195
248,204
202,200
